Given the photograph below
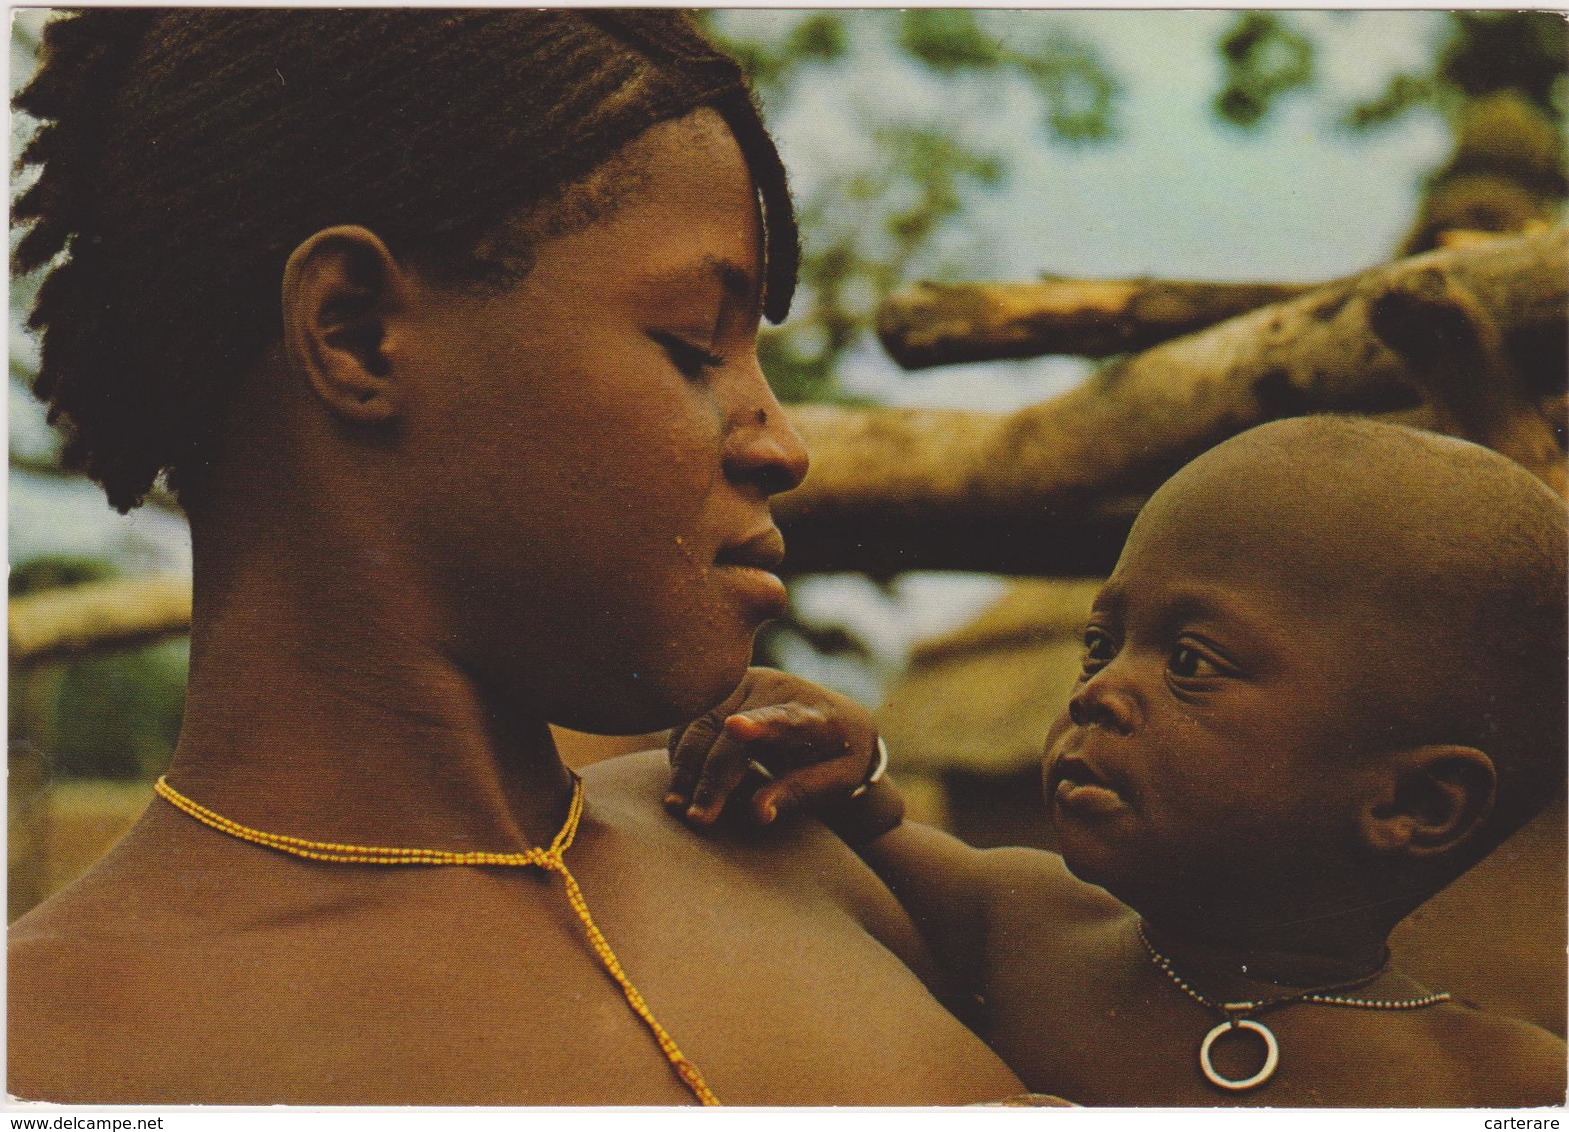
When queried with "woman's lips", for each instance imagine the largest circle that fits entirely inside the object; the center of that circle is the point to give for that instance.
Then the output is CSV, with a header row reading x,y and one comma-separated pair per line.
x,y
763,549
749,564
761,592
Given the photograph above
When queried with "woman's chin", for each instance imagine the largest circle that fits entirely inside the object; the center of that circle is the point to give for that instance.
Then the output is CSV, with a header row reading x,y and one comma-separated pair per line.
x,y
639,702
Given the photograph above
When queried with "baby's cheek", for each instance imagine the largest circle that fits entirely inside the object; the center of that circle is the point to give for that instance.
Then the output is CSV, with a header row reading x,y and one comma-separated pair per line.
x,y
1056,732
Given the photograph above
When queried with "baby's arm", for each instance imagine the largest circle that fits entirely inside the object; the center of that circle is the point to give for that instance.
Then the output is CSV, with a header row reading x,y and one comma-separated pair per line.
x,y
814,750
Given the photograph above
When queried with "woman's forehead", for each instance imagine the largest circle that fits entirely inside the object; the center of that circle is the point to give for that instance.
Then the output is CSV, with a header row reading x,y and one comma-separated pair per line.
x,y
689,219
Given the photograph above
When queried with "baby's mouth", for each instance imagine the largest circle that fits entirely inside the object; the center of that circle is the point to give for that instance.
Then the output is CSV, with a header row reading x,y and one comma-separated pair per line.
x,y
1078,788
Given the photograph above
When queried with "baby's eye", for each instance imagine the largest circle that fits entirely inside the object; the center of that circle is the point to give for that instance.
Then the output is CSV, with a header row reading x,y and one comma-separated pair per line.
x,y
692,362
1099,650
1191,664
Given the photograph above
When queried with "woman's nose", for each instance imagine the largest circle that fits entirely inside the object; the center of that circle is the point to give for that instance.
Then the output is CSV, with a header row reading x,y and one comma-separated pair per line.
x,y
1105,700
762,447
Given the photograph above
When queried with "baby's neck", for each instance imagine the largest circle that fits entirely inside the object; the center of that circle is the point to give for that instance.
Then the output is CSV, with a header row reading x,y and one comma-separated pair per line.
x,y
1247,963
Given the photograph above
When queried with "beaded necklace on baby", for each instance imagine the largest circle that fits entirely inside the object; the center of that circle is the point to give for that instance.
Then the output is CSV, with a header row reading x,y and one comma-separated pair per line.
x,y
551,860
1241,1016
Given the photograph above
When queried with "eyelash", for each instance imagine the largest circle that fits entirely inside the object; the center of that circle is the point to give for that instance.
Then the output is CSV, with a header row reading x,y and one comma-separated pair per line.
x,y
1202,658
1094,636
692,362
1097,641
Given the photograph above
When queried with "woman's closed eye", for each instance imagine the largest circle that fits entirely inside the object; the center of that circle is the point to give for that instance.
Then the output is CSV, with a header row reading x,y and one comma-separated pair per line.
x,y
691,361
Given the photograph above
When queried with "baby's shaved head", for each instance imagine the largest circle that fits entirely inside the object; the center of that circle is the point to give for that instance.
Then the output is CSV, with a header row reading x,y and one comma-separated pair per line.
x,y
1441,562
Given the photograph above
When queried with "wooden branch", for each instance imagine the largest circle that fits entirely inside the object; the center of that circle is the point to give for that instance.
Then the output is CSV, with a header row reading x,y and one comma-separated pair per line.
x,y
933,324
97,616
41,466
1046,489
1456,355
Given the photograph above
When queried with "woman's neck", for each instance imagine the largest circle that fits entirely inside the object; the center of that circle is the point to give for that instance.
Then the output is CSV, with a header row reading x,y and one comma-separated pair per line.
x,y
329,710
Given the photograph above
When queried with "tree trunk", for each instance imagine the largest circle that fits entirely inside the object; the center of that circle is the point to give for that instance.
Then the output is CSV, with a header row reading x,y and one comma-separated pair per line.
x,y
1049,488
934,324
96,616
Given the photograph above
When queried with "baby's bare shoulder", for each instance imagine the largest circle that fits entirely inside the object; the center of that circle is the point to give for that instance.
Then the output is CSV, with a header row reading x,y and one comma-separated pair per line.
x,y
1510,1063
1037,883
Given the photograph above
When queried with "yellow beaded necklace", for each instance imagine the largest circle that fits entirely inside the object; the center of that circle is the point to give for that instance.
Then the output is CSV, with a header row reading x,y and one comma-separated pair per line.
x,y
552,860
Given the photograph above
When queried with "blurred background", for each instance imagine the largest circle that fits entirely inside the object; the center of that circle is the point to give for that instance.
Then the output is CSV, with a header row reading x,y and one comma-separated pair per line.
x,y
944,145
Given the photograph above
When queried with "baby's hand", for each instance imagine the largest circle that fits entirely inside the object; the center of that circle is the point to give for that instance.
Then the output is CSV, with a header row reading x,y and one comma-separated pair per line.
x,y
810,744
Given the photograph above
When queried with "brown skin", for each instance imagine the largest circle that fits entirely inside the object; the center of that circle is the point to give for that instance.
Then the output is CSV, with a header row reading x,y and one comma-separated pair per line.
x,y
475,516
1225,771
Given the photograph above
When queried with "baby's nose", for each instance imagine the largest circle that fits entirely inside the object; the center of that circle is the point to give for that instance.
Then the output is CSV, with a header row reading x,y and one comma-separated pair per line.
x,y
1103,702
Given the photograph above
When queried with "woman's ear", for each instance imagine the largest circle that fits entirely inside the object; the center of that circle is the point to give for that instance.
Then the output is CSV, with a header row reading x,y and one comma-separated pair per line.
x,y
1429,800
340,287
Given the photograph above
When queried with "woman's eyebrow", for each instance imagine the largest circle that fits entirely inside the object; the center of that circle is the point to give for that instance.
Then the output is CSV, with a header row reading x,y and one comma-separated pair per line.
x,y
738,288
735,280
736,283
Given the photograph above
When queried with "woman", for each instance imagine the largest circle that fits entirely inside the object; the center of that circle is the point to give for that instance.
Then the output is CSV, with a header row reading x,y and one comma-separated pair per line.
x,y
500,458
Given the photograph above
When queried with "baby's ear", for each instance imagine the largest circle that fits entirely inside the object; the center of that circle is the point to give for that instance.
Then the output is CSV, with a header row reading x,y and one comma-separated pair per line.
x,y
1429,800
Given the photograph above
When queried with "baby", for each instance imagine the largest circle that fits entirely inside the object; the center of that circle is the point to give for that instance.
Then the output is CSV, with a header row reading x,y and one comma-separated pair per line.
x,y
1326,678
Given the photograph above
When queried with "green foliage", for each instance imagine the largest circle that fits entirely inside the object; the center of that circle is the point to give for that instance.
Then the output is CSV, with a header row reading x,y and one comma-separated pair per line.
x,y
116,715
1490,52
773,61
1080,92
1264,58
821,36
864,227
53,571
948,40
1072,79
113,715
1484,54
869,225
1267,55
1401,94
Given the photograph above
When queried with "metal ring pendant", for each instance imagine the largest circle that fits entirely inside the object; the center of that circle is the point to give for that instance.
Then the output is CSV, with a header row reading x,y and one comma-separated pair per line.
x,y
1240,1084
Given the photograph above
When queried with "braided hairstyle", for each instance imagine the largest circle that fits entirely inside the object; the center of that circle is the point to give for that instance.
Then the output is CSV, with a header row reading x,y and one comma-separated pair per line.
x,y
186,152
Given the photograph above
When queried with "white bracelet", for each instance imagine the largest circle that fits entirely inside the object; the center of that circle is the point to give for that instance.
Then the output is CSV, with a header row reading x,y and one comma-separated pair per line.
x,y
877,772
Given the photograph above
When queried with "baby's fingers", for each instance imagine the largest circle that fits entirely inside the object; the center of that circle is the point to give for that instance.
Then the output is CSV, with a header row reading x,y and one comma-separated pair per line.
x,y
832,780
778,735
689,748
802,730
722,771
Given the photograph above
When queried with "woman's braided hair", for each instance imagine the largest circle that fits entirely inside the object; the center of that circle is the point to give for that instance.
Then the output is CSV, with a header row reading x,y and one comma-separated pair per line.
x,y
186,152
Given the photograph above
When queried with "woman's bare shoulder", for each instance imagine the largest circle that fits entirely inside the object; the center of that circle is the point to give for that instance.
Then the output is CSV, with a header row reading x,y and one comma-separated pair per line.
x,y
628,791
800,857
630,776
108,902
79,970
